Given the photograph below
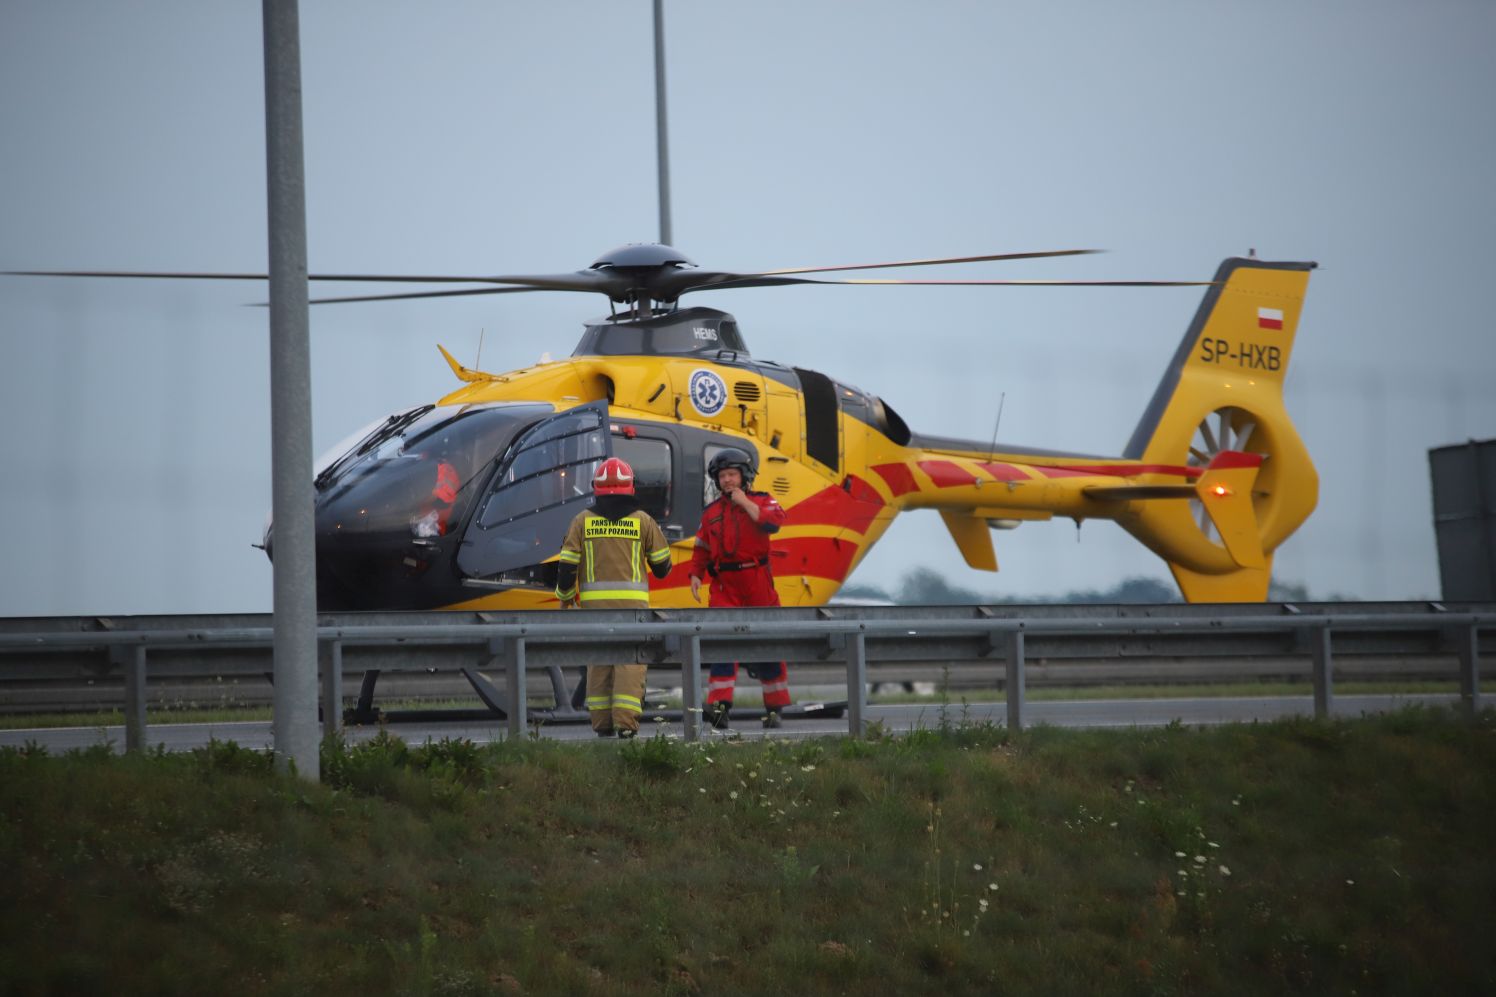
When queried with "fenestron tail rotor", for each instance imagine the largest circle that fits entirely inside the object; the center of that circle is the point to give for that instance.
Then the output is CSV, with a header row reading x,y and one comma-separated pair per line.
x,y
1225,429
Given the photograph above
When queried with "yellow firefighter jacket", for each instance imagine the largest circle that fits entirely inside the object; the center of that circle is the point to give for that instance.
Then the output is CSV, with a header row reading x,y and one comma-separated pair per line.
x,y
608,560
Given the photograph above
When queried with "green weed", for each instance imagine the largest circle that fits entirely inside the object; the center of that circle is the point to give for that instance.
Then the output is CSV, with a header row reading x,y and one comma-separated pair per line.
x,y
1305,856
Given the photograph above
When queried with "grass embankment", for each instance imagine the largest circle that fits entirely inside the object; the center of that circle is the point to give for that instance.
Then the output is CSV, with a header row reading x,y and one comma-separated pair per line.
x,y
1316,857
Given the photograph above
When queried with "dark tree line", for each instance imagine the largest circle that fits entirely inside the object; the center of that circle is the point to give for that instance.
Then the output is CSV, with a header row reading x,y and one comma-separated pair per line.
x,y
927,587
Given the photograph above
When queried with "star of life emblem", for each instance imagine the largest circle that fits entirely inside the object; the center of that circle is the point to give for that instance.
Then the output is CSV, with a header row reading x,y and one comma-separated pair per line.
x,y
708,393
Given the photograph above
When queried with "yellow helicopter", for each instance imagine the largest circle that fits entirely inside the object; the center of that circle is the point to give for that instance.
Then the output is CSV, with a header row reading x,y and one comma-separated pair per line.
x,y
462,504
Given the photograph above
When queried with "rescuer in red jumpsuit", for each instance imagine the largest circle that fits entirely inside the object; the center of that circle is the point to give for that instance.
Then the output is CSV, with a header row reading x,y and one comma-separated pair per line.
x,y
732,547
438,511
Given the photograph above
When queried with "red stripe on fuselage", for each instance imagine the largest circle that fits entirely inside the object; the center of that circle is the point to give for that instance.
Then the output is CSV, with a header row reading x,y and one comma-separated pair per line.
x,y
946,474
1003,472
900,479
823,557
854,505
1127,470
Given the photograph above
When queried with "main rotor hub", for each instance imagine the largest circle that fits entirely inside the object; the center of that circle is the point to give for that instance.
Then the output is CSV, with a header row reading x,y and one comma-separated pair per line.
x,y
641,256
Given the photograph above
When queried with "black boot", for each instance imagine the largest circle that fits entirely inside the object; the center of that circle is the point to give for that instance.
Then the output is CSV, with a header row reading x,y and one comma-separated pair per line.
x,y
716,713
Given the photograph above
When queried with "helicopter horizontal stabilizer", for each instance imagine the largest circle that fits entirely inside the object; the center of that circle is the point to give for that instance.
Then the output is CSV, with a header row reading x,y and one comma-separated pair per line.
x,y
1128,493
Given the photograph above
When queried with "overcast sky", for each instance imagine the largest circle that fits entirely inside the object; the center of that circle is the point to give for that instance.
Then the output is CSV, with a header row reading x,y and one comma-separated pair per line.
x,y
519,137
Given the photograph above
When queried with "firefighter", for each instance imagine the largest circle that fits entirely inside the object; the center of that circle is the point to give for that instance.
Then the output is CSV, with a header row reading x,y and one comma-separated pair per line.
x,y
732,547
602,567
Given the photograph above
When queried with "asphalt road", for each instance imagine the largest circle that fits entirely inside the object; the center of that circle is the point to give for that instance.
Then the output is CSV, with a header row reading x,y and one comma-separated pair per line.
x,y
1069,713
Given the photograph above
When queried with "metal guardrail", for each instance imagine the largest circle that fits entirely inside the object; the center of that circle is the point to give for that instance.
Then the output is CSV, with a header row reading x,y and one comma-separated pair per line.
x,y
966,636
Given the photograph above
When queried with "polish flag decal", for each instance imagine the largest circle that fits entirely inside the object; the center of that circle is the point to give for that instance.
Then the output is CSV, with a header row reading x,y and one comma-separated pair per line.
x,y
1269,318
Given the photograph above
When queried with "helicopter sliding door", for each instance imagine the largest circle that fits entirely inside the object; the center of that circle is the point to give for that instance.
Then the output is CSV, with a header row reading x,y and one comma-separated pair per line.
x,y
543,482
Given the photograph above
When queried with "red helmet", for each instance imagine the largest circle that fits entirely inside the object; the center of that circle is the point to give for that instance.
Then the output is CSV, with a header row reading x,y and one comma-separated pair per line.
x,y
613,477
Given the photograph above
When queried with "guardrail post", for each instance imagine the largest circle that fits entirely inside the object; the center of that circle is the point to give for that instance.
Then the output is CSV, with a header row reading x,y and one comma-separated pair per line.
x,y
1469,648
331,660
857,684
1324,682
132,663
514,684
1014,679
690,690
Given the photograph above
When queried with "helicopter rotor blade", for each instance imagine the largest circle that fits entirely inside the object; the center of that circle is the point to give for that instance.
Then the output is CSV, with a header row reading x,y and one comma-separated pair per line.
x,y
414,294
1033,283
778,281
930,263
136,273
581,280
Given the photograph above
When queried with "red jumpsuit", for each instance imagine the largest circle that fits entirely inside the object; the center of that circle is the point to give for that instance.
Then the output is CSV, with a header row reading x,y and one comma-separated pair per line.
x,y
734,551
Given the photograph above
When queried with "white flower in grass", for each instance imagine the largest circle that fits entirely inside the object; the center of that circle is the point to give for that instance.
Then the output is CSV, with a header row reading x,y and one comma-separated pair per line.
x,y
1224,871
977,866
732,795
1350,882
1199,860
1179,855
807,768
992,886
1212,844
701,790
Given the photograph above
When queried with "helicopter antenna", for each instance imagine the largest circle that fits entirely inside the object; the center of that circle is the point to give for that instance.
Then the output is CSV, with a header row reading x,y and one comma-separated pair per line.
x,y
478,363
661,135
992,450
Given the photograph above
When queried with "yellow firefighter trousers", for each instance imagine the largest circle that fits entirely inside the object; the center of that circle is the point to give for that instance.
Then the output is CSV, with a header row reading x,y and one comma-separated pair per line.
x,y
615,696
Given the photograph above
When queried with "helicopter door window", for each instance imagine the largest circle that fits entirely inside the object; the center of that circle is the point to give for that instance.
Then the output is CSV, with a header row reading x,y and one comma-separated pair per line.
x,y
709,491
551,465
653,464
544,480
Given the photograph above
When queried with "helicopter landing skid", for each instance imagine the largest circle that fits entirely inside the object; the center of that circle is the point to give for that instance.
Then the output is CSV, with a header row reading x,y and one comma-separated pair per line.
x,y
567,708
365,712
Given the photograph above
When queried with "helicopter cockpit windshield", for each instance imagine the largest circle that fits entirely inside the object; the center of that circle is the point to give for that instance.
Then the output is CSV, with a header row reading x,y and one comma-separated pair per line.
x,y
415,472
